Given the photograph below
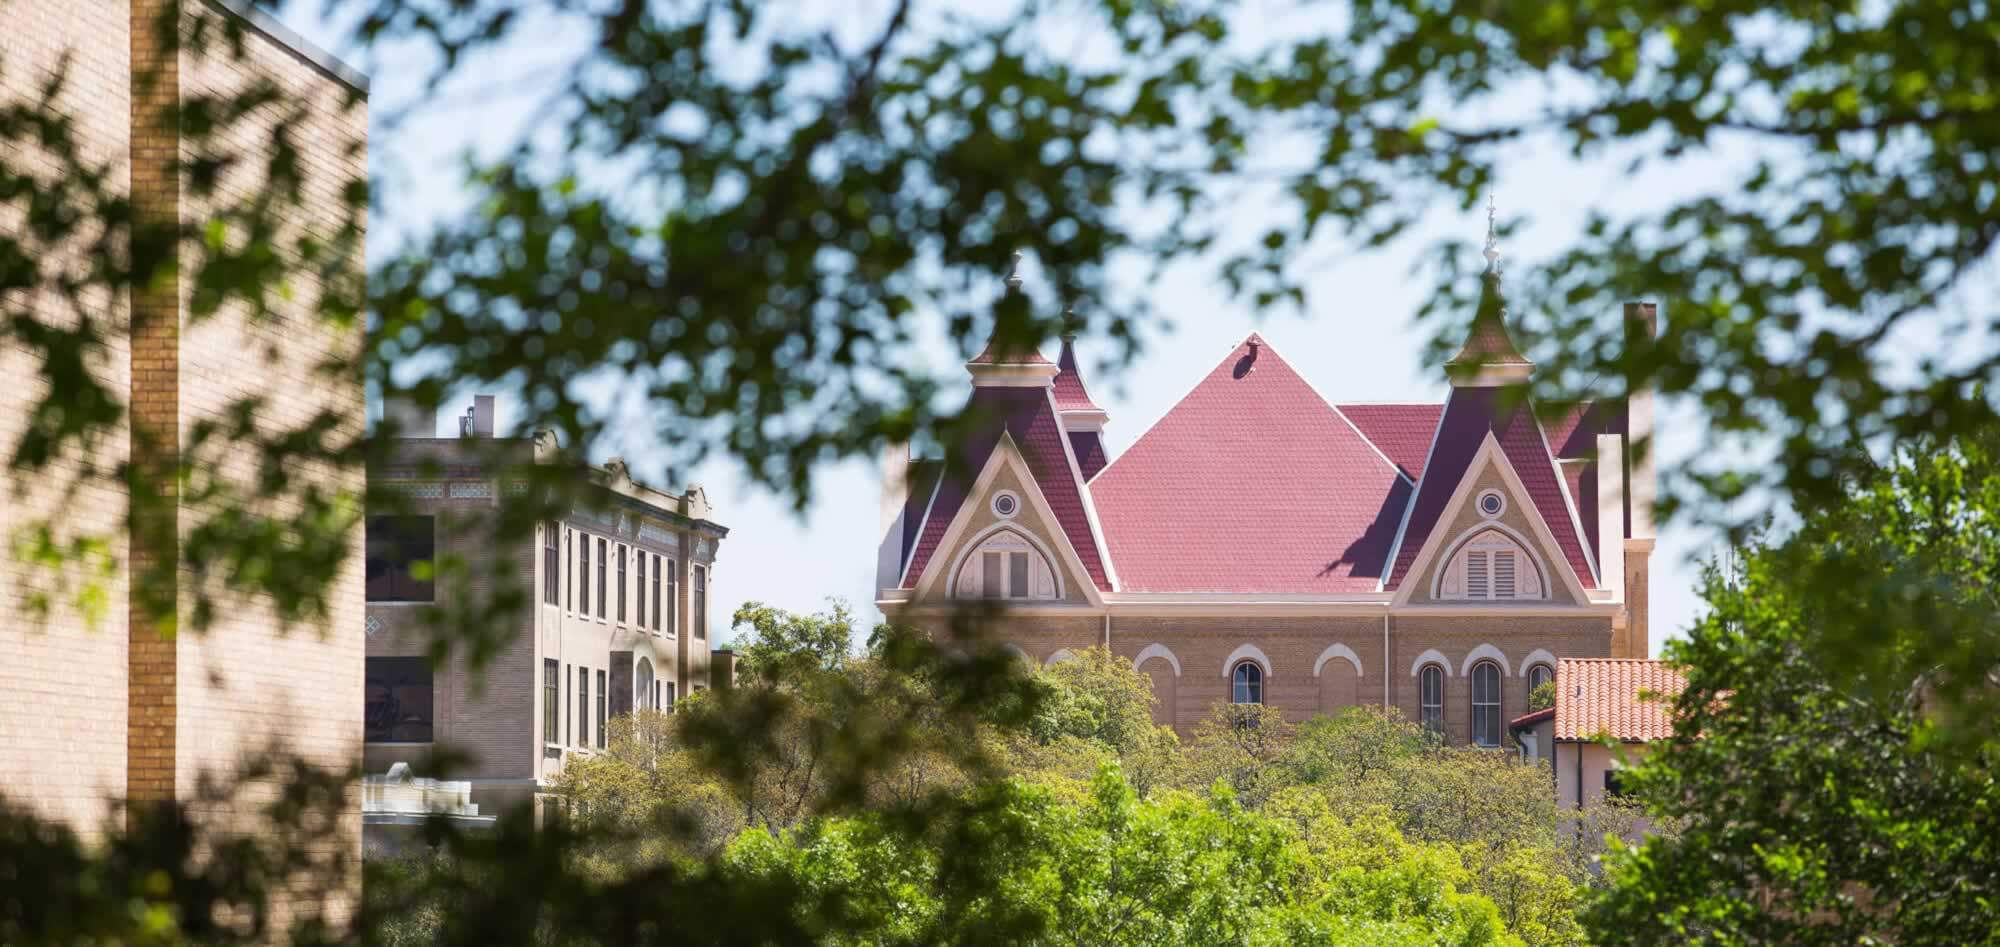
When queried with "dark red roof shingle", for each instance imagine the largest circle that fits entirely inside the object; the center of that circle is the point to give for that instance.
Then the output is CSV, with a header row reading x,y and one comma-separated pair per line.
x,y
1401,431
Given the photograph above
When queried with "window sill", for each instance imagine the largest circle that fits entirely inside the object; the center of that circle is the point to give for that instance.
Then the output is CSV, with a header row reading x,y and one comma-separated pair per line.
x,y
401,601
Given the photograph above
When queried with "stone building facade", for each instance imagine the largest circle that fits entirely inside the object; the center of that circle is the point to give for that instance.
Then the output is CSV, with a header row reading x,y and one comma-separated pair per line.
x,y
124,699
1260,543
616,619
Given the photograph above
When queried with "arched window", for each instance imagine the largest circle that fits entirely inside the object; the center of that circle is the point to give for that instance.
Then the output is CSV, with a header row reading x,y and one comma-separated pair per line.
x,y
1430,698
1491,567
1538,675
1008,566
1246,684
642,687
1486,704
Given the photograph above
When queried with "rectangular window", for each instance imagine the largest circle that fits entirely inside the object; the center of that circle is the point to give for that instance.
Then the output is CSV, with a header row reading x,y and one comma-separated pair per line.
x,y
583,573
1430,699
670,697
639,559
551,566
673,597
602,693
399,700
701,602
1017,575
603,575
621,583
656,593
569,722
582,706
656,695
569,576
401,551
550,707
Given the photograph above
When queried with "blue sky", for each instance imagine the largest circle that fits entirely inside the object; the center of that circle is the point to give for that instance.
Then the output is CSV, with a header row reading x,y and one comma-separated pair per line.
x,y
1359,340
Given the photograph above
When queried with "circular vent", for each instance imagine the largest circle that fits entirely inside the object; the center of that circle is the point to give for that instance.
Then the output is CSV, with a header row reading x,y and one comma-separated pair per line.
x,y
1006,504
1491,503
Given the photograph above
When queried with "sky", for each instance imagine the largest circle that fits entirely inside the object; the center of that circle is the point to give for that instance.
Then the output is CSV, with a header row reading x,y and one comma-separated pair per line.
x,y
1357,341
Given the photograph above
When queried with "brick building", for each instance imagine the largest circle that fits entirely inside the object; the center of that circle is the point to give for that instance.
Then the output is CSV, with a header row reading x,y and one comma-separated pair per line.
x,y
1260,543
127,699
617,618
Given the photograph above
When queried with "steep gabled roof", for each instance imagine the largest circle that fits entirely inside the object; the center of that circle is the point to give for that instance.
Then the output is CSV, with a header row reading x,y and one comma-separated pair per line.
x,y
1469,415
1089,449
1604,697
1251,483
1402,432
1488,343
1028,415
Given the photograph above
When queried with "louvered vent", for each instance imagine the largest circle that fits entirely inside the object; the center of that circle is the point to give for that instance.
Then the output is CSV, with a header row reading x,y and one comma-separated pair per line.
x,y
1503,575
1478,575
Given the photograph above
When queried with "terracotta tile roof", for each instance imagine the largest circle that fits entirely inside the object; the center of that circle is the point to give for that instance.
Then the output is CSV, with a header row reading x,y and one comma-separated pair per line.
x,y
1251,483
1531,718
1468,415
1401,431
1027,415
1070,392
1602,696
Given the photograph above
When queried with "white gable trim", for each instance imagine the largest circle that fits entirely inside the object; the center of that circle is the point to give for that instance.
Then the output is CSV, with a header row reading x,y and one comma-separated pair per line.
x,y
1156,650
1537,656
1083,494
1481,653
1061,655
1458,542
1489,453
1417,491
1339,651
1004,526
1006,454
1432,656
1246,652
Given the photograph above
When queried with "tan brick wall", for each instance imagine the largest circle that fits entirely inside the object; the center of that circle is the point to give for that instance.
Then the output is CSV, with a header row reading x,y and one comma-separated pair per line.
x,y
63,680
1515,638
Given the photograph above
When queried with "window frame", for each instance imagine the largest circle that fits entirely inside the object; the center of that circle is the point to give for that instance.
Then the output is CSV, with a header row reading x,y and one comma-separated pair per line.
x,y
583,577
1493,705
603,693
673,597
1430,715
413,591
656,591
639,604
552,566
603,576
551,709
582,706
623,553
1252,683
700,617
1542,670
394,674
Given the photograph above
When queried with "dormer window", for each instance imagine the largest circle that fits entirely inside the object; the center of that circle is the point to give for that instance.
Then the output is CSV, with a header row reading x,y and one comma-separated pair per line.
x,y
1491,567
1006,566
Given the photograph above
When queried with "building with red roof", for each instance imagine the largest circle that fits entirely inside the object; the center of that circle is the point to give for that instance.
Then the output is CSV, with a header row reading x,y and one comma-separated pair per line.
x,y
1606,713
1260,542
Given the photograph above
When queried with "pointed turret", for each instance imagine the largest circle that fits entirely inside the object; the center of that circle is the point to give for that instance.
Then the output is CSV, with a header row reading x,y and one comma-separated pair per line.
x,y
1488,357
1010,366
1082,419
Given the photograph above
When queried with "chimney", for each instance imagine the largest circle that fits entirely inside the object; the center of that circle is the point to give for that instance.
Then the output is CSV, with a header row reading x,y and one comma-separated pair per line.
x,y
479,418
895,494
1642,484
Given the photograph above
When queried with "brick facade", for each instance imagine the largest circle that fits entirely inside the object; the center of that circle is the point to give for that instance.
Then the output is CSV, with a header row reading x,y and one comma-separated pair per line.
x,y
134,702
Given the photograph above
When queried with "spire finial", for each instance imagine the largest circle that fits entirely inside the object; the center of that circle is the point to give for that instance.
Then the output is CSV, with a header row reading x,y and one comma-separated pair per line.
x,y
1014,273
1492,242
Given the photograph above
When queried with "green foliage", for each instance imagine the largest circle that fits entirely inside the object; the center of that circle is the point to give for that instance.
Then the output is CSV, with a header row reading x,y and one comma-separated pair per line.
x,y
1823,800
783,645
1542,697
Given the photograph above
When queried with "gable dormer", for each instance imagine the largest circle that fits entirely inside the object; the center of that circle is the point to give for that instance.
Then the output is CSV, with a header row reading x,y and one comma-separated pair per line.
x,y
1081,417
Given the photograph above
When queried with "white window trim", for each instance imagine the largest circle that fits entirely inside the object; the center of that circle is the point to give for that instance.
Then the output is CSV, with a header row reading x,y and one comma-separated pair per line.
x,y
1486,652
1431,656
1246,652
1263,681
1339,651
1497,703
1538,656
1157,650
1458,546
1061,655
971,546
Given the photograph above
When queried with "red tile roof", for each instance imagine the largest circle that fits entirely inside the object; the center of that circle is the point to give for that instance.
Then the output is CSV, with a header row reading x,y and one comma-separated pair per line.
x,y
1468,415
1251,483
1606,697
1070,393
1089,449
1531,718
1026,414
1401,431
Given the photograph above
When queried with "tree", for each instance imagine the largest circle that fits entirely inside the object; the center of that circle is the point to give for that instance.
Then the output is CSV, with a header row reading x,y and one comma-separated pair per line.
x,y
1821,801
784,646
